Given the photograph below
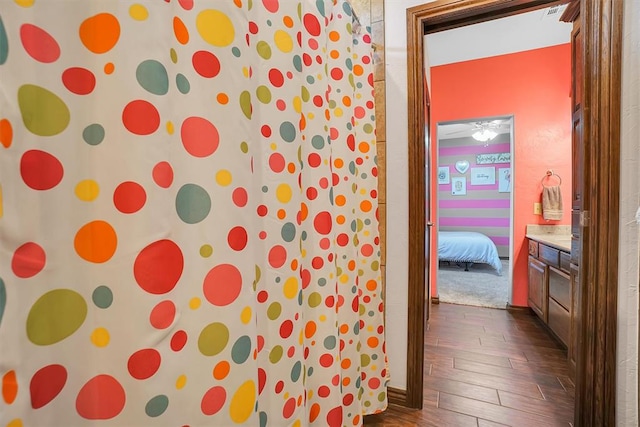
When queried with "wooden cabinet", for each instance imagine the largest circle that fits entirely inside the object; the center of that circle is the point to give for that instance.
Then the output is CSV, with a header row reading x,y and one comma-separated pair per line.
x,y
537,287
574,337
551,294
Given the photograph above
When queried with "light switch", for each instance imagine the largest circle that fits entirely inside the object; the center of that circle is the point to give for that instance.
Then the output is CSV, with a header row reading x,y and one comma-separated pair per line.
x,y
537,208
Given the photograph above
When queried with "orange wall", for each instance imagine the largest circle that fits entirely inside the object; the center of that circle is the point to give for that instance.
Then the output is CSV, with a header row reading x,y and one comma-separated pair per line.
x,y
534,87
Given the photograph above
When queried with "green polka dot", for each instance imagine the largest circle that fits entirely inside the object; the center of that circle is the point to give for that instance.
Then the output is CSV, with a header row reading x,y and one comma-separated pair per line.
x,y
263,94
93,134
193,203
276,354
102,297
55,316
183,84
315,299
213,339
153,77
288,232
43,112
173,55
330,342
245,103
296,370
317,141
241,350
288,131
274,310
244,147
264,50
156,406
206,251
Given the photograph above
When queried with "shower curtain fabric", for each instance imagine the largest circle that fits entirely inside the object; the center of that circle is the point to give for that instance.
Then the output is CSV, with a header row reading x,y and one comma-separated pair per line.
x,y
188,214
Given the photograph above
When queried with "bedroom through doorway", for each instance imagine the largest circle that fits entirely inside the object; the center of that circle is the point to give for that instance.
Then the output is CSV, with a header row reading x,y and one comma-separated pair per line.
x,y
474,211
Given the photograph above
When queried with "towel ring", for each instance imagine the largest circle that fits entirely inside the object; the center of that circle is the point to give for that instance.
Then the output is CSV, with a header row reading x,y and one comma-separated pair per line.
x,y
550,174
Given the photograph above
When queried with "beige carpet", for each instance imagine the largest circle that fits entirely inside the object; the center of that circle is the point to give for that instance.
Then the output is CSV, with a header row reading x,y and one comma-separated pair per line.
x,y
480,286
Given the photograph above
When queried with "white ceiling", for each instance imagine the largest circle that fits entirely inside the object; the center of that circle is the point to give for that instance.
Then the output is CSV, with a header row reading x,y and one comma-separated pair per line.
x,y
526,31
465,129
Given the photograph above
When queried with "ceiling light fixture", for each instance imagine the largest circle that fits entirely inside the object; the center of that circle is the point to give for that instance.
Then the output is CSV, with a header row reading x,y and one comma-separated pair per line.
x,y
484,135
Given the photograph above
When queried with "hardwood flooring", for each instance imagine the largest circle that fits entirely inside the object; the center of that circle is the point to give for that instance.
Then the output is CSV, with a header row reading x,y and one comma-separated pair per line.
x,y
487,367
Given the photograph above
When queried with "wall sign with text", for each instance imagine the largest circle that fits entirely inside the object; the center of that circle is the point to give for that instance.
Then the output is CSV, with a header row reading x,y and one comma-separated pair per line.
x,y
487,159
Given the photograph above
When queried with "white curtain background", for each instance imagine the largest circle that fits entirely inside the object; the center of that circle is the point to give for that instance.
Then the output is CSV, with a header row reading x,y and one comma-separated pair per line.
x,y
188,214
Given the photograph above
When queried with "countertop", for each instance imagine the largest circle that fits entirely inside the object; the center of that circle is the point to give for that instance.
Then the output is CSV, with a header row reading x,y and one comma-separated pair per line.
x,y
558,236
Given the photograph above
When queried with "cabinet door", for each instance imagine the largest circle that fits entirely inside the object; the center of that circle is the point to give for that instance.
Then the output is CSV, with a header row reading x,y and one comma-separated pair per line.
x,y
574,338
538,276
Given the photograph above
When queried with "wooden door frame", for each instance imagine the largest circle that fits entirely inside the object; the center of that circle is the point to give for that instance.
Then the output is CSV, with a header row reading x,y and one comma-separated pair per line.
x,y
602,29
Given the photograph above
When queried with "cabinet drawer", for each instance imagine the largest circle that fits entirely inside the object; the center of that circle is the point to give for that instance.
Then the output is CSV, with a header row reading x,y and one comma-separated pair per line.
x,y
549,255
559,321
565,261
533,248
560,287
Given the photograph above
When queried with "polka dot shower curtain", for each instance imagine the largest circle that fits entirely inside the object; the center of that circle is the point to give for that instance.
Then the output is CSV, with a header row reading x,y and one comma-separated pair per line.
x,y
188,214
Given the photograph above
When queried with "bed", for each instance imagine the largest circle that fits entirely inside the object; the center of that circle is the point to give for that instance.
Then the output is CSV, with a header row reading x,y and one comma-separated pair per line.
x,y
468,247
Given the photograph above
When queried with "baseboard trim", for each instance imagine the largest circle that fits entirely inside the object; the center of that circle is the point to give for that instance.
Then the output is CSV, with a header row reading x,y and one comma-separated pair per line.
x,y
435,300
519,309
397,396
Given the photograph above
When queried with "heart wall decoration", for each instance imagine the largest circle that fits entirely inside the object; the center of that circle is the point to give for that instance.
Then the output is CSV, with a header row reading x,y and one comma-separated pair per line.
x,y
462,166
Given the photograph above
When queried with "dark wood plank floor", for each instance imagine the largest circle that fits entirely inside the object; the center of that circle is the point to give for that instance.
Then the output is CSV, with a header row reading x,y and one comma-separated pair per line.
x,y
486,367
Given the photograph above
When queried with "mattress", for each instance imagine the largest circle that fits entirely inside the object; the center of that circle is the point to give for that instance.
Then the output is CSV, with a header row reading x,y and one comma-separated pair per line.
x,y
468,247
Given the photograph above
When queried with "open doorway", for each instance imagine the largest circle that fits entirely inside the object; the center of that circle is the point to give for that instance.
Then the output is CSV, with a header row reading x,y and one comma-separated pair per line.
x,y
475,214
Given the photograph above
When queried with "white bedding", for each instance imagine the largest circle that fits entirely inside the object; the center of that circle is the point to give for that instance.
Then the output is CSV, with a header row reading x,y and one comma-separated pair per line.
x,y
468,246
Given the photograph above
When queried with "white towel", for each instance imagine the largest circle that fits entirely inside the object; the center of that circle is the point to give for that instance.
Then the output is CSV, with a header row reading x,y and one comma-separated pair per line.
x,y
552,203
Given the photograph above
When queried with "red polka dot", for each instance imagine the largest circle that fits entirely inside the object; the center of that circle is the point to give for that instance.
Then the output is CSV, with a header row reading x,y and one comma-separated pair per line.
x,y
289,407
46,384
206,64
342,239
374,383
277,256
276,162
28,260
144,363
240,197
314,160
222,285
262,297
347,399
367,250
324,391
39,44
199,137
359,112
79,80
163,314
336,73
141,117
213,400
322,222
271,5
237,238
306,278
158,267
317,263
279,386
163,174
351,142
40,170
186,4
312,193
266,131
276,78
262,380
317,101
101,398
326,360
129,197
178,340
312,24
253,27
286,328
262,210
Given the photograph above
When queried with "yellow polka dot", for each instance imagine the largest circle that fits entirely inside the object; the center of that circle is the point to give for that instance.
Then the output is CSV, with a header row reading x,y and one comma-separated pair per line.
x,y
311,116
87,190
322,318
206,251
243,402
284,193
245,71
215,27
24,3
297,104
274,146
194,303
344,278
290,288
338,112
181,382
283,41
138,12
16,422
170,128
223,177
100,337
296,424
245,316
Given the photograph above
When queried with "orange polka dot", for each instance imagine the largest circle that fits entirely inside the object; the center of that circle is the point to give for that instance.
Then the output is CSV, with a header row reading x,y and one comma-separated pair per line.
x,y
346,363
287,21
334,36
222,98
338,163
352,265
96,242
282,214
340,219
346,381
372,285
356,420
344,329
100,33
372,342
9,387
346,100
6,133
221,370
358,70
180,30
303,122
291,167
334,54
304,211
314,412
327,114
364,147
109,68
294,265
340,200
365,206
238,3
310,329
